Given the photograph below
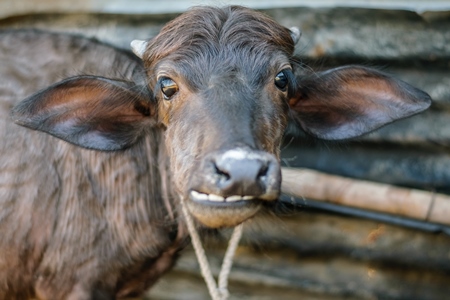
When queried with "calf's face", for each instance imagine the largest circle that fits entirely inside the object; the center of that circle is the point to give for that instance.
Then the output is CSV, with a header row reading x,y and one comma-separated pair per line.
x,y
223,139
220,79
223,86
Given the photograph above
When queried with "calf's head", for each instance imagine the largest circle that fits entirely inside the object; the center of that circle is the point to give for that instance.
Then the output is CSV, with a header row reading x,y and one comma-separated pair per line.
x,y
223,85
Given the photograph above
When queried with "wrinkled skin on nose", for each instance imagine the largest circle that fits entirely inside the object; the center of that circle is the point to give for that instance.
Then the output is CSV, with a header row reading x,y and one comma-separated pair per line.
x,y
238,173
234,183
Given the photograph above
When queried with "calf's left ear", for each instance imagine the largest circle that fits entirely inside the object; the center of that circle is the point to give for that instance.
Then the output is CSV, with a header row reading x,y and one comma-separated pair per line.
x,y
89,111
349,101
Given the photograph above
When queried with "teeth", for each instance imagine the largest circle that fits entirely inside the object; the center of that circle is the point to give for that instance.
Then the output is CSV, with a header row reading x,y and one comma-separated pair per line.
x,y
216,198
233,198
199,196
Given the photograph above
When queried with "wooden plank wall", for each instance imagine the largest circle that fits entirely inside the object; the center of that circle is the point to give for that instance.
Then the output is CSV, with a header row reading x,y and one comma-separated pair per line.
x,y
414,47
303,253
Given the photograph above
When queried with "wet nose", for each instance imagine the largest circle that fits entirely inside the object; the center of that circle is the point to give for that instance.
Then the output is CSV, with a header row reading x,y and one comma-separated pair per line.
x,y
246,173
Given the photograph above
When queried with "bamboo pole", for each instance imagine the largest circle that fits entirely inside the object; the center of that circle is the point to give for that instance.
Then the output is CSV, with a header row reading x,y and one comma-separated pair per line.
x,y
412,203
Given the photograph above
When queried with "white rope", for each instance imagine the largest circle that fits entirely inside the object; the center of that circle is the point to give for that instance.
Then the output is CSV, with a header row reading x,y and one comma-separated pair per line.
x,y
221,292
228,260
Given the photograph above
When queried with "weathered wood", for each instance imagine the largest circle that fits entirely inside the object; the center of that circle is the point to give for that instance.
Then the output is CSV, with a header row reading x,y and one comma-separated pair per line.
x,y
311,255
11,7
427,128
412,165
410,203
370,35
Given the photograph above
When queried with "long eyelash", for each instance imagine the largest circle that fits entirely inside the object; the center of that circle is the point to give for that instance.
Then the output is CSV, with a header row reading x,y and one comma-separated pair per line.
x,y
292,83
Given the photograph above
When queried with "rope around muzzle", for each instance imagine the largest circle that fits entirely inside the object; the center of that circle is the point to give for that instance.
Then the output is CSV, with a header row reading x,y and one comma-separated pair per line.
x,y
220,291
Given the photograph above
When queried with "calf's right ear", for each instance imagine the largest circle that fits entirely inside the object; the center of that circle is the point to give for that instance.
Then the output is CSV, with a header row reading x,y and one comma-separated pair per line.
x,y
89,111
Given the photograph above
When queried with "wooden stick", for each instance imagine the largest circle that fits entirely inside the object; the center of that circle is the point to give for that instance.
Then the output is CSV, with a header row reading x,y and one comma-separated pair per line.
x,y
412,203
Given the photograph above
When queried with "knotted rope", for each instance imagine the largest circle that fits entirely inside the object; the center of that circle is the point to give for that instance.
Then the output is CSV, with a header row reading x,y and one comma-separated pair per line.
x,y
220,291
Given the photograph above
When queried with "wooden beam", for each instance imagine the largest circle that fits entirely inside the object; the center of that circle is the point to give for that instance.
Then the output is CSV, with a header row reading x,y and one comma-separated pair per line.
x,y
412,203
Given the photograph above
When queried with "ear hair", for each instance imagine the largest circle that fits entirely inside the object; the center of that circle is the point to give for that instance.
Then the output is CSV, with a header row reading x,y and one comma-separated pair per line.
x,y
138,47
349,101
295,34
89,111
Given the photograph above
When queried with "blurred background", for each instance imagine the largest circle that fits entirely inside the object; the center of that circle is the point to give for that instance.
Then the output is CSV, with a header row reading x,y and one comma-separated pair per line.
x,y
310,248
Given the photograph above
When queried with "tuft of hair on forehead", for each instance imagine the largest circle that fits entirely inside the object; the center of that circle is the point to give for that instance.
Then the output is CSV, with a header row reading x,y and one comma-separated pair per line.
x,y
205,29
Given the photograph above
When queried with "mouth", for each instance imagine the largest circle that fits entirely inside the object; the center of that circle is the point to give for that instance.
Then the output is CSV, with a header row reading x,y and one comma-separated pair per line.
x,y
212,199
216,211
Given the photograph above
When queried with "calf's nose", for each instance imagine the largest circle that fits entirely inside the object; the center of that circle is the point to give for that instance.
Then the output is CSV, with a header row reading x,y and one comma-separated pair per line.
x,y
247,173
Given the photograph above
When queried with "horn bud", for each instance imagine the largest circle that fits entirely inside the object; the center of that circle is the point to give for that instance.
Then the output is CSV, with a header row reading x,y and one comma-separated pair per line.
x,y
295,34
139,47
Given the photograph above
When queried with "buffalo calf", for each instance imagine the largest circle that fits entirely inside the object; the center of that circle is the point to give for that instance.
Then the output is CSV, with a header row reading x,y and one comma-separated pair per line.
x,y
109,143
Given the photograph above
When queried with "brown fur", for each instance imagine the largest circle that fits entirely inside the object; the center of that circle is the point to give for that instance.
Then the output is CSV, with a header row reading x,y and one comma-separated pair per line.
x,y
76,223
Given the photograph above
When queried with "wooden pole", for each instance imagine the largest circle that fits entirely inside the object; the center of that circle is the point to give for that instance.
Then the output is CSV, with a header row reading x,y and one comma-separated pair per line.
x,y
412,203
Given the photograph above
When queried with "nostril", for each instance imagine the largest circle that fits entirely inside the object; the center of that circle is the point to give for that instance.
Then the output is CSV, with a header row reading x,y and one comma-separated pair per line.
x,y
263,171
224,175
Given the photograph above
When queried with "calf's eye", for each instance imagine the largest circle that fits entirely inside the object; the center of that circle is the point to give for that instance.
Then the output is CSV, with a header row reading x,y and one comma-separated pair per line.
x,y
281,81
168,88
